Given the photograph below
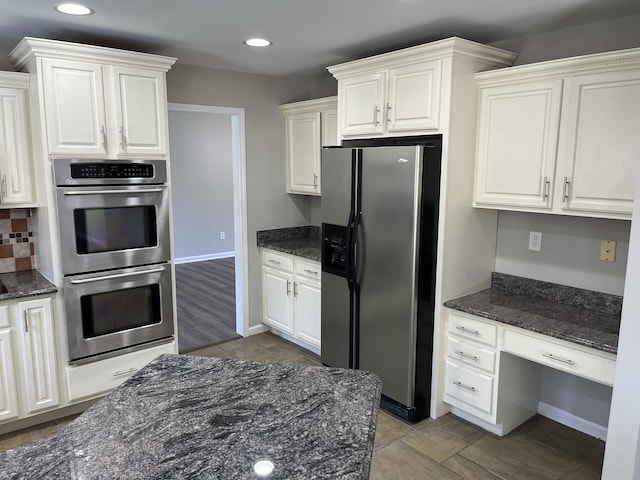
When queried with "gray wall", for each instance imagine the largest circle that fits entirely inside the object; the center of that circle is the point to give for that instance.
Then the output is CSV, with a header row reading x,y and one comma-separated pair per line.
x,y
268,206
201,183
570,253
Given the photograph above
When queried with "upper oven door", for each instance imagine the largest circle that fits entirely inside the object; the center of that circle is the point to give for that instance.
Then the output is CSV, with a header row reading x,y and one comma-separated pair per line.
x,y
110,227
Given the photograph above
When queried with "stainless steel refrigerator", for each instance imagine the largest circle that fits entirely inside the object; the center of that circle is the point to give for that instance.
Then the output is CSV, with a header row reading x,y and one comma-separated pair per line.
x,y
379,242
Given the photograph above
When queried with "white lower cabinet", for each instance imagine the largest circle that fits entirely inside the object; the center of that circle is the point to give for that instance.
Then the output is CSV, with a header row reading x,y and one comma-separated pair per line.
x,y
493,374
97,378
28,372
291,296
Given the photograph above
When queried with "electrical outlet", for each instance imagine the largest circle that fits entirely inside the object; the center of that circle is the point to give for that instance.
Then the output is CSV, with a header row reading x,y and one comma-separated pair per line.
x,y
535,241
608,250
222,235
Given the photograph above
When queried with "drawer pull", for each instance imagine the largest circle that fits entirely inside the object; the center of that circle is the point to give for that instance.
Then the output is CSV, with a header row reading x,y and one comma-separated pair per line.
x,y
275,262
466,355
563,360
466,330
121,373
311,272
466,387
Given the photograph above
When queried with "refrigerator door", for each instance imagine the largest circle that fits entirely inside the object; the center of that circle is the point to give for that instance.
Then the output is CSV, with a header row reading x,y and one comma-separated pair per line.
x,y
387,266
336,300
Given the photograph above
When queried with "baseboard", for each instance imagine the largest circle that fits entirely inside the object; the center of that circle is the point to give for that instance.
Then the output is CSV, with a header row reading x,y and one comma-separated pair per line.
x,y
202,258
573,421
256,329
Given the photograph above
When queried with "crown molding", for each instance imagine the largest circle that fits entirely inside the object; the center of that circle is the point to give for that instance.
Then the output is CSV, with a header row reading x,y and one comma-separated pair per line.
x,y
15,80
310,105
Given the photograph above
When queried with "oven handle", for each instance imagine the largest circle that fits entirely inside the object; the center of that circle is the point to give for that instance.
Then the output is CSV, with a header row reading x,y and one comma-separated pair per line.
x,y
100,192
116,275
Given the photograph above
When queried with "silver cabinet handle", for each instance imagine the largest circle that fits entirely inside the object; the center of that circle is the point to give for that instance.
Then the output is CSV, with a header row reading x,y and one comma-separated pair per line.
x,y
275,262
116,275
466,330
545,189
376,110
551,356
121,373
565,190
315,181
388,112
101,192
123,138
288,287
466,355
466,387
103,134
25,315
311,272
295,289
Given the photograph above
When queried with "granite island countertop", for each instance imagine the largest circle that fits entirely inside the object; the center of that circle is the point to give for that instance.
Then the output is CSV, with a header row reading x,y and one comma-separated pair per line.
x,y
186,417
576,315
27,283
301,241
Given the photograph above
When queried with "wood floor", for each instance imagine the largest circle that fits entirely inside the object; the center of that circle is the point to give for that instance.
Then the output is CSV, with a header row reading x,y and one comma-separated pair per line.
x,y
205,293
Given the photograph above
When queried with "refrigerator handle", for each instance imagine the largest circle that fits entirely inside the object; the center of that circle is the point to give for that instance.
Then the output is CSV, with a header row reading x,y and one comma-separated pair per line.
x,y
358,245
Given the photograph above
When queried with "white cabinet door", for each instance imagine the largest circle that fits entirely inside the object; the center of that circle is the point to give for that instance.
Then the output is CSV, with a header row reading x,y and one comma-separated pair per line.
x,y
141,111
74,107
15,158
600,142
277,292
38,358
361,102
8,386
516,149
307,311
329,127
303,153
414,97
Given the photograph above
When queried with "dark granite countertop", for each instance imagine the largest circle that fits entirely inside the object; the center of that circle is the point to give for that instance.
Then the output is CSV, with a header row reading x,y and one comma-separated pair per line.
x,y
301,241
24,284
186,417
576,315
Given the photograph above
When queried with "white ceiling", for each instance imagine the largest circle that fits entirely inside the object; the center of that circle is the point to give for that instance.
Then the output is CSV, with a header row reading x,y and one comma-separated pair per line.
x,y
307,35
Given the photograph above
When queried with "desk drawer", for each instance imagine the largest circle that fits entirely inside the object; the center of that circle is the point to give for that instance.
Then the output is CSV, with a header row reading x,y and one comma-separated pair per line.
x,y
560,357
472,329
470,387
470,354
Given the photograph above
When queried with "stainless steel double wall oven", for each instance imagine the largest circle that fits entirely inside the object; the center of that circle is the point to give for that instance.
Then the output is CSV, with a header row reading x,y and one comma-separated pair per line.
x,y
113,217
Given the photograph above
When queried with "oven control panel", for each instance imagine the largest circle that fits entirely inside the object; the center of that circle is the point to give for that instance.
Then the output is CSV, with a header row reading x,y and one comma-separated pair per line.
x,y
111,170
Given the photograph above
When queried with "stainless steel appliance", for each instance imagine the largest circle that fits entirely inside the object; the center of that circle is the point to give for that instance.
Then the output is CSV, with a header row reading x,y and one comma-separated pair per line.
x,y
113,219
379,236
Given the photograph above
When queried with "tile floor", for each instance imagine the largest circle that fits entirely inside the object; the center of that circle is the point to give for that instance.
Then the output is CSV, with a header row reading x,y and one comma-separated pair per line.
x,y
444,449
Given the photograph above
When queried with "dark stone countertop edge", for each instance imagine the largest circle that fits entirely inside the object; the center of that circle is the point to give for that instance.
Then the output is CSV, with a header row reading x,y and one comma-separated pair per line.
x,y
299,241
25,284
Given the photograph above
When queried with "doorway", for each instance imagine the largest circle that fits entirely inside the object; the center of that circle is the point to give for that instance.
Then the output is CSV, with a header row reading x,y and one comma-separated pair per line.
x,y
208,146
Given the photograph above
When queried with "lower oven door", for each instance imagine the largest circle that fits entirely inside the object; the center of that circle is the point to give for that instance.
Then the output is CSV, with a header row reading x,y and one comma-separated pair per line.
x,y
118,309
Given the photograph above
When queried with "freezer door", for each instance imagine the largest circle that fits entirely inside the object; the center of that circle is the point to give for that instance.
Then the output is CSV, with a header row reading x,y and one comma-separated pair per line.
x,y
387,267
336,300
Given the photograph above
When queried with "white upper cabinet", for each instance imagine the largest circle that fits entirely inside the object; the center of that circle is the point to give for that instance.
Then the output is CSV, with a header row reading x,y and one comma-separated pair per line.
x,y
560,136
309,126
15,152
99,102
404,92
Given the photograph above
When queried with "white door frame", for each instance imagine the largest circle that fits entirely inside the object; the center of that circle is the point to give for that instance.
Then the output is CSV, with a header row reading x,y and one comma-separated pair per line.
x,y
239,205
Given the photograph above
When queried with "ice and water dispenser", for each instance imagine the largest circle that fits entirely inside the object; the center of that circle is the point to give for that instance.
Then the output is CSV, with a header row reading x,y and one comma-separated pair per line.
x,y
335,249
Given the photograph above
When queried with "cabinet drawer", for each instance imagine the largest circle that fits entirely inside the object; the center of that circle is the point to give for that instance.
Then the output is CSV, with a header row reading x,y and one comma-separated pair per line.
x,y
89,380
561,357
472,329
469,387
308,269
4,316
277,261
470,354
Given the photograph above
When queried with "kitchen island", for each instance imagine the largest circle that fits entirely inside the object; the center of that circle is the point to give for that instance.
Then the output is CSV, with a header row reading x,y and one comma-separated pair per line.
x,y
186,417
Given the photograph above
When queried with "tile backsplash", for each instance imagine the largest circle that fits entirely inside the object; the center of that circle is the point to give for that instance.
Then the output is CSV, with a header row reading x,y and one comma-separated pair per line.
x,y
16,240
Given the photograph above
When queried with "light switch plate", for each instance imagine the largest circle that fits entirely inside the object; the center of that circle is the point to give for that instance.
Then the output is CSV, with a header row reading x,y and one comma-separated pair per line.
x,y
535,241
608,250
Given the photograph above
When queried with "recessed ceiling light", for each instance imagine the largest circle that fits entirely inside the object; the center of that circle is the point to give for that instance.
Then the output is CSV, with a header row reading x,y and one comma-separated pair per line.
x,y
257,42
73,9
